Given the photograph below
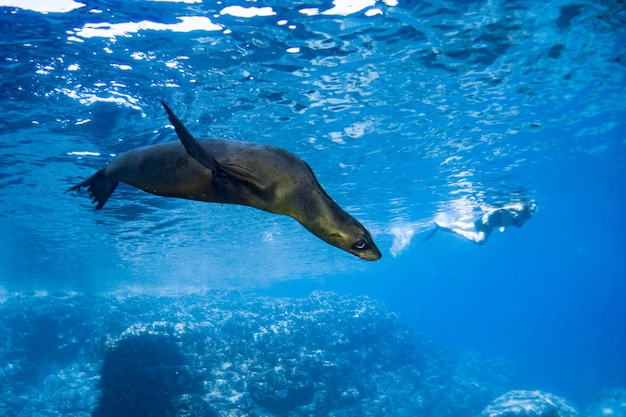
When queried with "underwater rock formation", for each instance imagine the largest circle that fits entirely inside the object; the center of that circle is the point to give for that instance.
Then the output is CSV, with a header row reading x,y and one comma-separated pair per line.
x,y
228,353
519,403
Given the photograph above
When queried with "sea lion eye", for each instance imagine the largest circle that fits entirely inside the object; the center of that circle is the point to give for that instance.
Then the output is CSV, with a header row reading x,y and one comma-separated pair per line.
x,y
360,244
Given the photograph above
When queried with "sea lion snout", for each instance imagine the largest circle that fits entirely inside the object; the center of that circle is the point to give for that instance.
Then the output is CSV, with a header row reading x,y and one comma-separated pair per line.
x,y
372,254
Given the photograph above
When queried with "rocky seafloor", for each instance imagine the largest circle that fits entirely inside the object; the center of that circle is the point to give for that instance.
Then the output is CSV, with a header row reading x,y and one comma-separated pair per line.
x,y
234,354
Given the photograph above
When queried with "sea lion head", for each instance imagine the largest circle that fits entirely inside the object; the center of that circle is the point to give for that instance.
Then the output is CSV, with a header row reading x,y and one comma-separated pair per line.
x,y
356,240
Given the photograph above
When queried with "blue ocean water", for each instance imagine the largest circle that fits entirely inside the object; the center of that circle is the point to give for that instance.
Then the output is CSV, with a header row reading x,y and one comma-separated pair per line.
x,y
405,111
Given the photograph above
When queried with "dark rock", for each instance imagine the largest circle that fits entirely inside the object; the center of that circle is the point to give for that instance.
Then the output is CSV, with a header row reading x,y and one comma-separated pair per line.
x,y
143,375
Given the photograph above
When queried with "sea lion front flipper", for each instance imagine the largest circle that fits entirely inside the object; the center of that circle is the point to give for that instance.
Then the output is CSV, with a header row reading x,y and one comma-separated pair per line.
x,y
192,146
197,152
99,187
243,175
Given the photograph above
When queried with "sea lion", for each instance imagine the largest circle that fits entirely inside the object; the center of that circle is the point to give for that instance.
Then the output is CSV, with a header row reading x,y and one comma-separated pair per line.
x,y
227,171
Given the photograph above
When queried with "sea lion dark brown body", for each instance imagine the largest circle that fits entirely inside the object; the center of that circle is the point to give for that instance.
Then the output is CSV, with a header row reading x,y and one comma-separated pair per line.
x,y
226,171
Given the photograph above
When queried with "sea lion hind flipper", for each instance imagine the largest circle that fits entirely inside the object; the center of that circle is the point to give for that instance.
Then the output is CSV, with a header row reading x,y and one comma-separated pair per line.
x,y
431,233
99,187
192,146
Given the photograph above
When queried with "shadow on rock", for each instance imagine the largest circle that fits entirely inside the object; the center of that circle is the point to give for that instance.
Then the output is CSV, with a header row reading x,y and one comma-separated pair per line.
x,y
143,376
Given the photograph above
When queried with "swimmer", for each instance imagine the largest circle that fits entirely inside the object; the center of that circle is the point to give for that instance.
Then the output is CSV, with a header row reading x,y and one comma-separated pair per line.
x,y
478,231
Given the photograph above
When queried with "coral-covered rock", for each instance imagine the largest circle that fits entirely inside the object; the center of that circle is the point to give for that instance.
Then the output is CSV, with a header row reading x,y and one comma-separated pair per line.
x,y
222,354
520,403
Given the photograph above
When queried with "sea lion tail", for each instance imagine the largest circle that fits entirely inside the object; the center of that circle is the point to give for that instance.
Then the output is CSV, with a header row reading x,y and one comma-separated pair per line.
x,y
99,187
